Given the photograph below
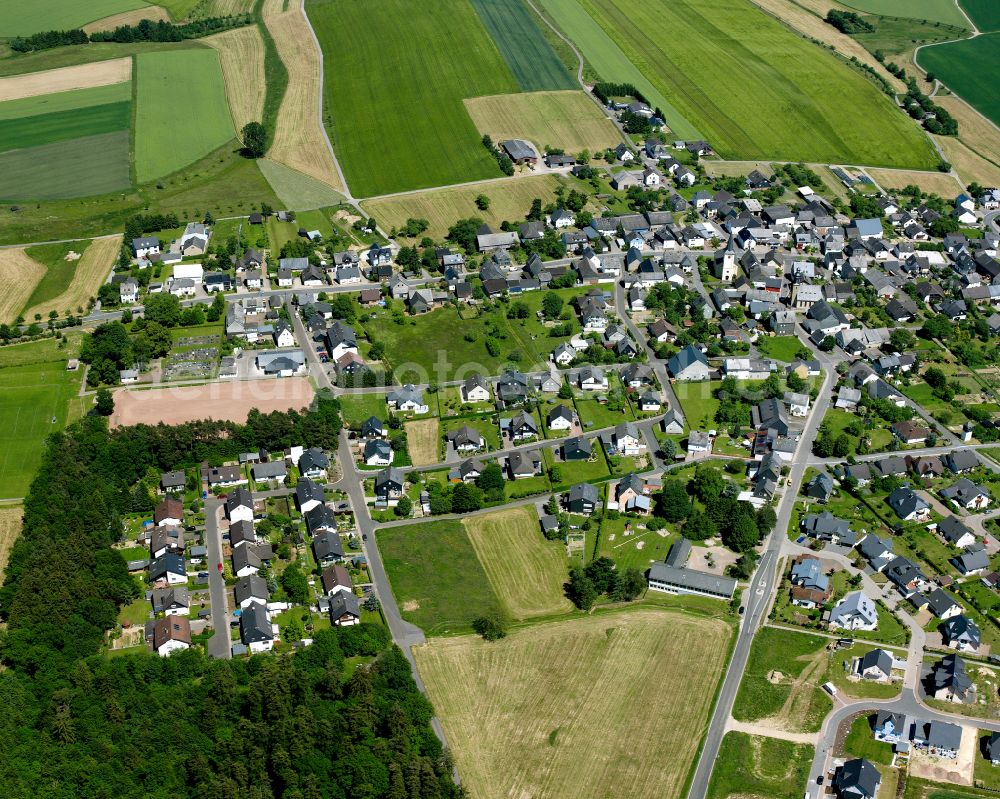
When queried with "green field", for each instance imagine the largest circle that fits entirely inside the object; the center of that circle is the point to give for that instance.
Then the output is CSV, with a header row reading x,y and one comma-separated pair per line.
x,y
985,13
610,62
752,766
933,10
399,122
781,75
58,271
65,101
181,110
61,170
959,65
436,577
24,19
35,388
531,59
58,126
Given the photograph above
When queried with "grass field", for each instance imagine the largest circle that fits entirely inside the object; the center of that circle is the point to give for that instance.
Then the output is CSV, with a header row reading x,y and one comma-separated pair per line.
x,y
567,119
754,766
527,572
959,65
19,274
10,529
985,13
778,70
625,688
611,63
422,441
65,101
437,579
42,73
241,55
934,10
530,58
166,138
782,681
299,141
399,123
19,19
69,291
509,199
34,402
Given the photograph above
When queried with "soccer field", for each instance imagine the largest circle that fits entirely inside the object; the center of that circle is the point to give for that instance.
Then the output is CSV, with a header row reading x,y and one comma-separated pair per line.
x,y
781,77
608,705
181,110
395,113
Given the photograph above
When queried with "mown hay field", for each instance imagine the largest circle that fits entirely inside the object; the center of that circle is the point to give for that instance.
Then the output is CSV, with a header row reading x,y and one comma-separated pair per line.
x,y
395,114
782,76
568,119
181,110
509,199
91,270
241,55
526,570
609,705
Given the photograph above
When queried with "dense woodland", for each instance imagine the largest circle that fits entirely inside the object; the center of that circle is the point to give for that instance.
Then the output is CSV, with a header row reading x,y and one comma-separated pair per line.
x,y
81,724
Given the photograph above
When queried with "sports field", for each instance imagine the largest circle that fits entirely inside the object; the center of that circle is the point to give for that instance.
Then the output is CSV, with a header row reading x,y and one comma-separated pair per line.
x,y
241,54
10,529
531,59
932,10
527,571
75,282
608,705
610,62
568,119
422,441
19,274
780,74
65,169
24,19
35,393
399,123
181,110
751,766
509,199
985,13
959,65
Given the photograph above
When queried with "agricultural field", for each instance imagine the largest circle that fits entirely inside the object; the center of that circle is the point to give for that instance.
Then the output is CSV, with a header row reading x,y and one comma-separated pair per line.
x,y
165,139
781,686
241,54
752,766
399,123
945,11
19,274
530,58
568,119
299,141
70,284
959,66
519,712
509,199
610,62
984,13
527,572
24,19
36,393
778,70
10,529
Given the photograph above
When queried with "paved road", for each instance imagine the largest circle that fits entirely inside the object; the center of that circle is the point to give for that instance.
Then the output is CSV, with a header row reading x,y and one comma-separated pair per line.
x,y
219,645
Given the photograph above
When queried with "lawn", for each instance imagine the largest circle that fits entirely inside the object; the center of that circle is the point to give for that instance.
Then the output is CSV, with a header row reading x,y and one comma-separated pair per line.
x,y
509,199
65,169
610,62
167,139
625,687
959,66
777,69
56,126
437,579
20,19
782,681
34,402
527,572
751,765
568,119
985,13
781,348
530,58
860,743
399,122
698,402
944,11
